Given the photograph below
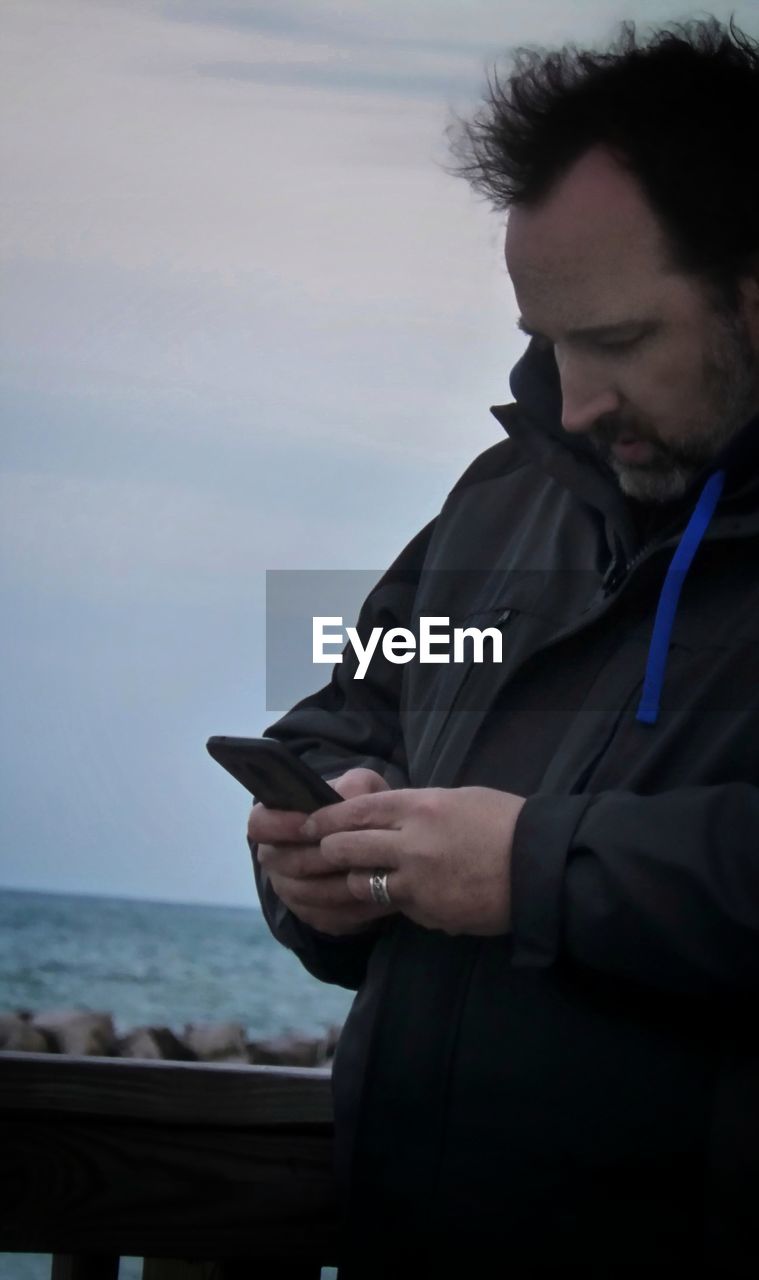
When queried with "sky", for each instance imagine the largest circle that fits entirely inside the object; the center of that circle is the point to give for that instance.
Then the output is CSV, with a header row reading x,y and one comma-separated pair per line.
x,y
248,323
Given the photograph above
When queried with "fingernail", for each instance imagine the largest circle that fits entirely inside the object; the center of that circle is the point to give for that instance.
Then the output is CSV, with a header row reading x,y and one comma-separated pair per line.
x,y
308,829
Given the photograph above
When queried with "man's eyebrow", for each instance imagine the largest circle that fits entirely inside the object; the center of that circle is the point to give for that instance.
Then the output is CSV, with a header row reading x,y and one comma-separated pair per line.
x,y
591,331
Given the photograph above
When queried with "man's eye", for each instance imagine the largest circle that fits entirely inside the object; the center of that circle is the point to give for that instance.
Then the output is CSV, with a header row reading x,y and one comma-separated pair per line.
x,y
618,344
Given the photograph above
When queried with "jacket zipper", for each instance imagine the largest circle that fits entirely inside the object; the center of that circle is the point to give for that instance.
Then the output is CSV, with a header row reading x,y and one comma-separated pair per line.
x,y
616,575
620,569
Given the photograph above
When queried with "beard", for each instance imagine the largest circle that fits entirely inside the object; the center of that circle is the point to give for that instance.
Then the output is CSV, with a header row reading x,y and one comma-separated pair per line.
x,y
728,399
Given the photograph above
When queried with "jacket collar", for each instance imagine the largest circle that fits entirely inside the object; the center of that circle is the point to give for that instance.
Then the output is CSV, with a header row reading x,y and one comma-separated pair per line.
x,y
534,422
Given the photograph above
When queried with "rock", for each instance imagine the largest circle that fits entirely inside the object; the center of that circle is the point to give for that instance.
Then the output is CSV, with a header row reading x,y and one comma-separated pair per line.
x,y
284,1051
77,1031
216,1042
154,1042
83,1033
16,1034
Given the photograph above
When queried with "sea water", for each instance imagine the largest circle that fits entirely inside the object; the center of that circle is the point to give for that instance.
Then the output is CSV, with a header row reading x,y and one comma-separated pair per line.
x,y
156,962
153,963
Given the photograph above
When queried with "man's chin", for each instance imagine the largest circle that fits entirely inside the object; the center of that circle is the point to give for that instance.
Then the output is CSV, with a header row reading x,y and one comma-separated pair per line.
x,y
653,484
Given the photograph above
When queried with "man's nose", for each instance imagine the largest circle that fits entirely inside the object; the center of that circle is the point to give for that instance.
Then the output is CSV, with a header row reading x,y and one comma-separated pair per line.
x,y
585,396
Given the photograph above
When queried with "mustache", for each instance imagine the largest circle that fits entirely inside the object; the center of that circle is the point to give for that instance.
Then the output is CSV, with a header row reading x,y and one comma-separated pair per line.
x,y
613,427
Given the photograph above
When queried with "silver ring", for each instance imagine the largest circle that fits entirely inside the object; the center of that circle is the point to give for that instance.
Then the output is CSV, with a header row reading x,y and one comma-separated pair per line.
x,y
378,889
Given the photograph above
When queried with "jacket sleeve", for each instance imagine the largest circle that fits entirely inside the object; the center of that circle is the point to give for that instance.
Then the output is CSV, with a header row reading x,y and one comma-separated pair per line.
x,y
659,889
346,725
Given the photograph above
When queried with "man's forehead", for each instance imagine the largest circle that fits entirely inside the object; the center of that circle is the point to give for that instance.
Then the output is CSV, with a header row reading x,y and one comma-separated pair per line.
x,y
596,218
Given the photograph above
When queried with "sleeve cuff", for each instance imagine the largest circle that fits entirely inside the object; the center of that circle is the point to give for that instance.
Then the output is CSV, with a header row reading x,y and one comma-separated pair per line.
x,y
542,840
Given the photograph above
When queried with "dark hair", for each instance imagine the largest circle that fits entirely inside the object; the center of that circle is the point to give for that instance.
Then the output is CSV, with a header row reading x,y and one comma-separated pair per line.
x,y
680,110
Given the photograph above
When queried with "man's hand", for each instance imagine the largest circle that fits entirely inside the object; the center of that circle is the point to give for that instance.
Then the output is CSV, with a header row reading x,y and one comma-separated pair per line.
x,y
447,853
313,889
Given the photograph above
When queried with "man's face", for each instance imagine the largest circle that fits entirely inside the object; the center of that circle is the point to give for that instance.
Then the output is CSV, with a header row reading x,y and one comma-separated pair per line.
x,y
656,374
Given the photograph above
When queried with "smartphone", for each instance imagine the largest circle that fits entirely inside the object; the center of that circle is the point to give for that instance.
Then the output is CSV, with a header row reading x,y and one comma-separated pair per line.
x,y
272,773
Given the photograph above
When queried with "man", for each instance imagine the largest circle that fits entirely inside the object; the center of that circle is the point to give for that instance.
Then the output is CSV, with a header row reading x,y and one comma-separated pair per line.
x,y
544,879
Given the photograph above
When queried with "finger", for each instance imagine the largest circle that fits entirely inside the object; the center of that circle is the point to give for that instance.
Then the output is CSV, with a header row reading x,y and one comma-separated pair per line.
x,y
274,826
383,809
359,884
298,861
327,893
347,849
359,782
354,919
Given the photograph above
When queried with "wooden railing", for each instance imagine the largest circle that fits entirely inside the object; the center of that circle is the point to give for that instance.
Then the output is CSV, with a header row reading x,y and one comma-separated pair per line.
x,y
204,1171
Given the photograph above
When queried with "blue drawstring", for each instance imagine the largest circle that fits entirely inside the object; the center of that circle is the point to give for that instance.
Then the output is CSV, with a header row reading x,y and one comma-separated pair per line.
x,y
648,707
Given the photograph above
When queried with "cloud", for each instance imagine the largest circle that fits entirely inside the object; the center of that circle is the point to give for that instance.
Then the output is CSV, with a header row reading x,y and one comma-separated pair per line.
x,y
410,78
404,26
118,358
465,30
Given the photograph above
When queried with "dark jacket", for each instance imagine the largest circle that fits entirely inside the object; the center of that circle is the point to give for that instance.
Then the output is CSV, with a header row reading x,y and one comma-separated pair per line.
x,y
584,1092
